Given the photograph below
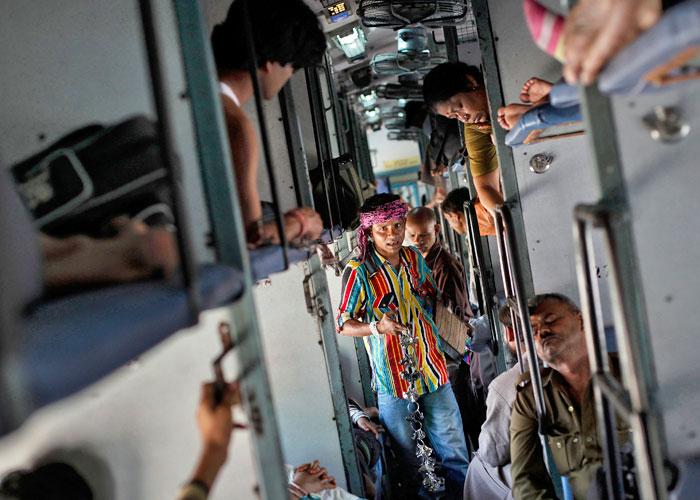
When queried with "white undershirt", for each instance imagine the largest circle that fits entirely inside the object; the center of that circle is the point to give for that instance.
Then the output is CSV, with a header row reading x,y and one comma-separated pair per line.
x,y
228,92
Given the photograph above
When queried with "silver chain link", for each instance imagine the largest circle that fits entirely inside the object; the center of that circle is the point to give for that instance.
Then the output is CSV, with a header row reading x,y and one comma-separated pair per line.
x,y
431,481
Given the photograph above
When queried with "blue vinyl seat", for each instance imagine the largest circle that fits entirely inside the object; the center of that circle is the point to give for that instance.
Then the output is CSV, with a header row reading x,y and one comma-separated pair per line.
x,y
71,342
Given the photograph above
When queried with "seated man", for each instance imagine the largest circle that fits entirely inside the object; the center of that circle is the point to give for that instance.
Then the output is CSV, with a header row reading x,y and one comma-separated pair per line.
x,y
387,290
298,42
488,477
422,230
570,428
456,90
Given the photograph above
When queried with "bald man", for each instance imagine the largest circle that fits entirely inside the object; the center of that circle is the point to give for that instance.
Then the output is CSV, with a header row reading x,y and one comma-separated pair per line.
x,y
422,231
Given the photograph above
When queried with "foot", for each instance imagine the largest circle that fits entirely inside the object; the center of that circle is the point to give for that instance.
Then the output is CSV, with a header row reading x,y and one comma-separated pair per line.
x,y
535,89
509,115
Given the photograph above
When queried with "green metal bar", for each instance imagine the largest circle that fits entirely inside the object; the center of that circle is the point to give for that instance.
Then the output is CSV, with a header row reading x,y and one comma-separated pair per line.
x,y
212,140
326,324
509,180
636,356
229,237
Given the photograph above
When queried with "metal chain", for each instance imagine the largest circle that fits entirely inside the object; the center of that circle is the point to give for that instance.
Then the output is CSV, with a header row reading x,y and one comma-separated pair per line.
x,y
431,481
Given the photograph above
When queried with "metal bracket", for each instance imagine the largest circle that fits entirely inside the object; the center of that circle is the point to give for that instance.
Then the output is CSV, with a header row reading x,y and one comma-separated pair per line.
x,y
314,303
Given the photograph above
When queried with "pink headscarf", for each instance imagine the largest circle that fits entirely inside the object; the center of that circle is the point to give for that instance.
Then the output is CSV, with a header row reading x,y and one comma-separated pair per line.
x,y
395,210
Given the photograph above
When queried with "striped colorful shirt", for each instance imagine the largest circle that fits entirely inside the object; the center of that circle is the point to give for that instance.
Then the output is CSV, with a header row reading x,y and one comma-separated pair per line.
x,y
371,289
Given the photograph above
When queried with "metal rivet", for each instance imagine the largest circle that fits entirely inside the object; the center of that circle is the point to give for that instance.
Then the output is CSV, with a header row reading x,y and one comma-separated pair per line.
x,y
540,163
575,440
589,439
571,409
666,124
558,444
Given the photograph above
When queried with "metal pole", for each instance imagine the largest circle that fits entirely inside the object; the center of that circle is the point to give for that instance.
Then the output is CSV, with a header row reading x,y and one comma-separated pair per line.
x,y
632,330
595,338
274,190
488,295
508,288
523,313
323,148
169,156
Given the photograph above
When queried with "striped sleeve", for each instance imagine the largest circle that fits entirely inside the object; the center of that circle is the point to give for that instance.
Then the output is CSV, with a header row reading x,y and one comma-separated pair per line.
x,y
352,296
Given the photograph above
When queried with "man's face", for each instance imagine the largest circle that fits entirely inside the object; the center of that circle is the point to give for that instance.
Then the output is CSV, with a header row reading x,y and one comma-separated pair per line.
x,y
558,332
422,234
273,76
456,221
388,237
467,107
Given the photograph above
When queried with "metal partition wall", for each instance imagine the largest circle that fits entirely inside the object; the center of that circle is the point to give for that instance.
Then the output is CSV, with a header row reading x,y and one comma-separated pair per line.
x,y
229,237
318,303
494,91
632,330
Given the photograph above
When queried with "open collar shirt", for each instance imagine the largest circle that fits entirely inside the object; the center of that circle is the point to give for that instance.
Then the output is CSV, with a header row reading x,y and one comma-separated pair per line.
x,y
371,289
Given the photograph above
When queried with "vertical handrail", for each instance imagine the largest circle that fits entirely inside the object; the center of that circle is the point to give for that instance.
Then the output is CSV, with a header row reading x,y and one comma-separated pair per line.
x,y
484,294
595,339
295,144
323,148
509,287
633,404
511,248
253,69
210,132
169,156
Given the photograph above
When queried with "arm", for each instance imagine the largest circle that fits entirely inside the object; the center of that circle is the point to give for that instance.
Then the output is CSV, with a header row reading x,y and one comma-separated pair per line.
x,y
484,167
245,154
488,189
530,477
215,426
494,439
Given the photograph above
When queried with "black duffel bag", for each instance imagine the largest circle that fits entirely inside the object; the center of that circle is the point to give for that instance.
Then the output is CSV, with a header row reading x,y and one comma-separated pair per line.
x,y
94,174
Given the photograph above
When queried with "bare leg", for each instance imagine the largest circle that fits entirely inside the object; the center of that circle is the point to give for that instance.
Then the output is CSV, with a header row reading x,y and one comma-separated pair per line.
x,y
509,115
137,252
534,90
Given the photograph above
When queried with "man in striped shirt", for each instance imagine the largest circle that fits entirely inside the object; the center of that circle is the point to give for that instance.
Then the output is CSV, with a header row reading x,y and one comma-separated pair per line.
x,y
386,290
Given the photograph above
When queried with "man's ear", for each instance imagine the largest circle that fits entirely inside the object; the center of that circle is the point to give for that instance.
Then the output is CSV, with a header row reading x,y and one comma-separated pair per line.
x,y
472,83
437,229
266,67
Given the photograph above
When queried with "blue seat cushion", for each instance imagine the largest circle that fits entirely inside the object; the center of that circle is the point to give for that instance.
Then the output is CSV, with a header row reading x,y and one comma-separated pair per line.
x,y
267,260
675,31
71,342
539,118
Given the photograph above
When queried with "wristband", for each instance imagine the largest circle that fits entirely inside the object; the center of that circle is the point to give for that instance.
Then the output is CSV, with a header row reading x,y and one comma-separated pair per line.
x,y
301,220
373,328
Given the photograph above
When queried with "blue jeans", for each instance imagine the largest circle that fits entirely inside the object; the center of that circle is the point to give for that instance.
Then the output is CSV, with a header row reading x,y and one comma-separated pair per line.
x,y
442,425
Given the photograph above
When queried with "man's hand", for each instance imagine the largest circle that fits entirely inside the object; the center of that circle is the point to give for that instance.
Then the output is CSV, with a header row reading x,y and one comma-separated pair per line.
x,y
313,478
596,30
388,326
367,425
215,422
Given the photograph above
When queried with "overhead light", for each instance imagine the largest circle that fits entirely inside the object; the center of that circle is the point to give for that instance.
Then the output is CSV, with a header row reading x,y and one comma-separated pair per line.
x,y
352,44
368,100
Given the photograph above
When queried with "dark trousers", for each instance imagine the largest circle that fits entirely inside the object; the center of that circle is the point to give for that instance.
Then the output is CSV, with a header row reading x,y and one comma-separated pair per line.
x,y
471,401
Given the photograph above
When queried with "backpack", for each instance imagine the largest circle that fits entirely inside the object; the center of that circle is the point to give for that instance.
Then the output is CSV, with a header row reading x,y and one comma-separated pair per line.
x,y
82,181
